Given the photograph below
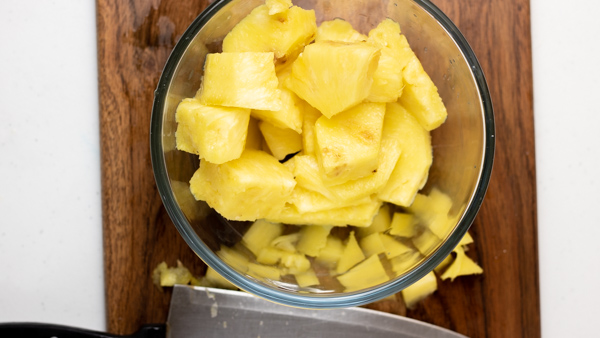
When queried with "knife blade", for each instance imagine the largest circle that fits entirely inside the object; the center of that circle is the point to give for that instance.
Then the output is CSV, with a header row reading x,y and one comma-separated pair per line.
x,y
210,312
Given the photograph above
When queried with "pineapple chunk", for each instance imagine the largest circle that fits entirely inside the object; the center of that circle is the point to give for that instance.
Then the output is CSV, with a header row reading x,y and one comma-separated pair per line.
x,y
334,76
260,271
416,158
348,144
433,211
331,253
467,239
289,116
286,242
307,201
294,263
387,34
419,290
401,264
313,238
234,258
426,242
351,255
444,264
307,278
338,30
254,138
260,234
308,176
372,245
461,266
366,274
166,276
248,188
359,215
214,279
278,6
244,80
284,33
387,79
216,134
269,255
403,225
420,96
393,248
310,117
281,142
381,222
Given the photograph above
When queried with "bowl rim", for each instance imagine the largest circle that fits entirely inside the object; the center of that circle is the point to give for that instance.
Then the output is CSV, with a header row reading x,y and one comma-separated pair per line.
x,y
318,301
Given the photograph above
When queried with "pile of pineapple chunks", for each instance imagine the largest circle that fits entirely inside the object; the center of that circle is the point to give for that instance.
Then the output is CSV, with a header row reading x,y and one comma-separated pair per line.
x,y
319,127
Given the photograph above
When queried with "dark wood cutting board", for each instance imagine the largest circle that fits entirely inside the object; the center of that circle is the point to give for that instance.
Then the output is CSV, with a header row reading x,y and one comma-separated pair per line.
x,y
134,40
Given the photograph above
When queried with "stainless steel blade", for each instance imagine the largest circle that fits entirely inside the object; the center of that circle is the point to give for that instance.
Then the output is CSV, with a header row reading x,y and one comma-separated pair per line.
x,y
208,312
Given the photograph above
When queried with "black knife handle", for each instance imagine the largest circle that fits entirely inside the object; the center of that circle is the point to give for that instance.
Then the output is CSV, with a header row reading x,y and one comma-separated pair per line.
x,y
40,330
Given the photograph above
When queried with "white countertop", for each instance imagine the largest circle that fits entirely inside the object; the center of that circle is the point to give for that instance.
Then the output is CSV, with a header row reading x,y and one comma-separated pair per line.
x,y
50,230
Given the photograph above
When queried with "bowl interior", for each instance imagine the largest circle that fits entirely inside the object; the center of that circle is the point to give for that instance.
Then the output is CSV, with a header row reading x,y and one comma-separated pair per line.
x,y
462,147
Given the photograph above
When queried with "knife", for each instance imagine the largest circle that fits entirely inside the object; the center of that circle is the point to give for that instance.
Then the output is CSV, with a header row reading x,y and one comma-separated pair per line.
x,y
209,312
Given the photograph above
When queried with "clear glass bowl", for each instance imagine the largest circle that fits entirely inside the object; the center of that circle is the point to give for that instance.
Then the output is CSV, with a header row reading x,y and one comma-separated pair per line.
x,y
463,147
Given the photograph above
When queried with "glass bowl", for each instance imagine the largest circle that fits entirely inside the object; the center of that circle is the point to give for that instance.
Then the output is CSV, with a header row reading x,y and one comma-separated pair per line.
x,y
463,147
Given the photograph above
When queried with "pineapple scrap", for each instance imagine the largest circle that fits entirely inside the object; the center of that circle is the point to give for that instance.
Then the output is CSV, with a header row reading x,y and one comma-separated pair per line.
x,y
419,290
402,225
331,253
307,278
224,130
260,271
243,80
316,75
163,275
313,238
278,6
338,30
393,248
381,222
260,234
351,255
261,185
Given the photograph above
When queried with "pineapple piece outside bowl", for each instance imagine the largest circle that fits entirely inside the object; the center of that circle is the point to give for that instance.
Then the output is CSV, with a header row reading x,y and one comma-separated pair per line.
x,y
463,151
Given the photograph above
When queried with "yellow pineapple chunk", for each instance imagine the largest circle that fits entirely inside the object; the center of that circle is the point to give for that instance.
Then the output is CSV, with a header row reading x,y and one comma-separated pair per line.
x,y
294,263
416,158
366,274
348,144
402,225
307,201
358,215
419,290
420,97
387,34
247,188
338,30
233,258
404,262
387,79
281,142
313,238
426,242
331,253
444,264
433,211
214,279
372,245
310,117
381,222
260,271
334,76
307,278
244,80
254,138
461,266
351,255
260,234
289,116
286,242
467,239
278,6
166,276
216,134
269,255
308,176
284,33
393,248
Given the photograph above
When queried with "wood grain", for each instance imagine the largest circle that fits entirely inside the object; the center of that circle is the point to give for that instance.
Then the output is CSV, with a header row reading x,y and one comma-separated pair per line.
x,y
134,41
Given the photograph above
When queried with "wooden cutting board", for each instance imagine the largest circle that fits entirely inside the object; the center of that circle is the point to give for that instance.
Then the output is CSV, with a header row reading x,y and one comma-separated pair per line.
x,y
134,40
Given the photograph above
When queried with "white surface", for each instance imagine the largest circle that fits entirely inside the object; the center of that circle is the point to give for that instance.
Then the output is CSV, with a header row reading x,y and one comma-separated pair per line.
x,y
50,228
566,76
50,232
